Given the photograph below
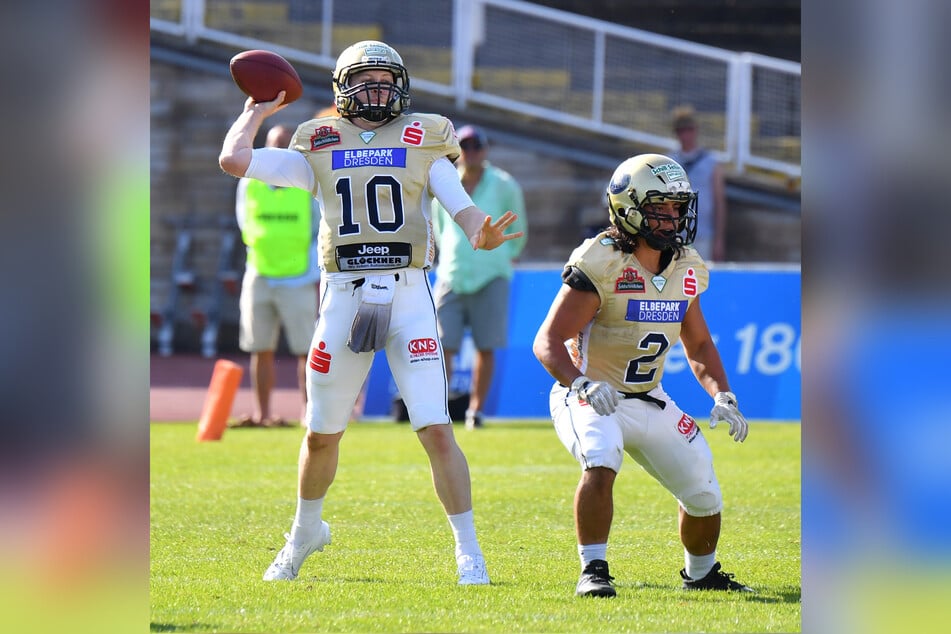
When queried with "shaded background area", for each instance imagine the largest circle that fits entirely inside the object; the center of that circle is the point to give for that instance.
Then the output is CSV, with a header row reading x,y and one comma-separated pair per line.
x,y
179,385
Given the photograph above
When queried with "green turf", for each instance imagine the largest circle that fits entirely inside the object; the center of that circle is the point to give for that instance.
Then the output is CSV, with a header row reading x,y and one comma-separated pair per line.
x,y
219,509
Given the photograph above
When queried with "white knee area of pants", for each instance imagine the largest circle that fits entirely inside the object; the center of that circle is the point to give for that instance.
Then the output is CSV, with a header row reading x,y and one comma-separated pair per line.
x,y
421,417
611,458
703,503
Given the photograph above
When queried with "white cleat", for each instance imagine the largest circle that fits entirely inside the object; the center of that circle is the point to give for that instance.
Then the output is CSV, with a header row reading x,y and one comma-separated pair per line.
x,y
472,571
288,562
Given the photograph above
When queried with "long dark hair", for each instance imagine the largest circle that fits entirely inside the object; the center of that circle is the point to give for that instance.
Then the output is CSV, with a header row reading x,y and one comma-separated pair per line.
x,y
623,241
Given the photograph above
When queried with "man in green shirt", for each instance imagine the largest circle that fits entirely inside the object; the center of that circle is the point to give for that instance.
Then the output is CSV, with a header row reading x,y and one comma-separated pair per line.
x,y
279,289
472,287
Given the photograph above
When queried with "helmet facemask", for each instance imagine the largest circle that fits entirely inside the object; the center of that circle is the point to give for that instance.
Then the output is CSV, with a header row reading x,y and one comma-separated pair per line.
x,y
684,228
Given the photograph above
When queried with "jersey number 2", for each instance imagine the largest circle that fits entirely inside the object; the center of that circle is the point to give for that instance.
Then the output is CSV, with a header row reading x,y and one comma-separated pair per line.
x,y
642,369
349,227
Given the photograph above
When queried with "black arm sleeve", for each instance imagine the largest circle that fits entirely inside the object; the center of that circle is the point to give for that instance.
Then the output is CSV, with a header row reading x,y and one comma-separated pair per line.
x,y
576,279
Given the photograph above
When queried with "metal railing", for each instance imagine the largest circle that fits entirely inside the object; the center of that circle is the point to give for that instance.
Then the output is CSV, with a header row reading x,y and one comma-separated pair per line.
x,y
586,74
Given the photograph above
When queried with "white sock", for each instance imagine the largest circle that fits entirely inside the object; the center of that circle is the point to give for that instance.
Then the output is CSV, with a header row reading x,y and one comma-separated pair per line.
x,y
590,552
697,566
307,519
463,531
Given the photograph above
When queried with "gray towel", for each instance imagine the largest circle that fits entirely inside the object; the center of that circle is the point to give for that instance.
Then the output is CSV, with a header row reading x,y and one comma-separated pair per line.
x,y
372,321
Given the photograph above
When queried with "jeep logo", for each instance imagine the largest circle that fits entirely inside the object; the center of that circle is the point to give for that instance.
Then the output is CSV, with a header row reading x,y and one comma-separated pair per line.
x,y
370,249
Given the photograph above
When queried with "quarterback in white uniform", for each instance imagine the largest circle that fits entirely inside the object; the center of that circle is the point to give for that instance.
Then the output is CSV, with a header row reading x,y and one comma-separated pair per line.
x,y
374,169
628,294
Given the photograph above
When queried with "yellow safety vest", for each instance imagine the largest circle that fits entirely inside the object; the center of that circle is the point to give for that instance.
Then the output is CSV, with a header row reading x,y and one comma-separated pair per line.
x,y
277,228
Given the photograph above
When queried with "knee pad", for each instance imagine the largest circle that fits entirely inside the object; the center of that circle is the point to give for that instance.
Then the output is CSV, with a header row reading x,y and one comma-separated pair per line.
x,y
703,503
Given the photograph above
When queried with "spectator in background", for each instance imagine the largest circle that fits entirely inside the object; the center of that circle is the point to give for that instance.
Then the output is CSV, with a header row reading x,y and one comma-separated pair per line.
x,y
706,177
279,227
472,287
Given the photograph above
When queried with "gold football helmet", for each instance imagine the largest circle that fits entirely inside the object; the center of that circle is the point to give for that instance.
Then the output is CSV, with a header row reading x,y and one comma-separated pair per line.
x,y
356,101
642,181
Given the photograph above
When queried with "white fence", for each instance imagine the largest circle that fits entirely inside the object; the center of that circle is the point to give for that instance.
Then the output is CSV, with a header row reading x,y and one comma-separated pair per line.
x,y
595,76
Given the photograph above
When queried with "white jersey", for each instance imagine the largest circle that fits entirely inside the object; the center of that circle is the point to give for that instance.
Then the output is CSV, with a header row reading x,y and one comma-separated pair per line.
x,y
373,187
640,316
376,230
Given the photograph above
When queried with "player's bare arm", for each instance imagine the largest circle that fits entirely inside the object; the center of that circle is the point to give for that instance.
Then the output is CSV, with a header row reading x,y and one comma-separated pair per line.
x,y
570,311
701,351
482,232
236,150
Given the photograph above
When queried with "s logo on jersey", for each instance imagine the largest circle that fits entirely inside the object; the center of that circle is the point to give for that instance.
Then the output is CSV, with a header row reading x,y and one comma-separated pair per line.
x,y
323,136
690,283
320,360
413,134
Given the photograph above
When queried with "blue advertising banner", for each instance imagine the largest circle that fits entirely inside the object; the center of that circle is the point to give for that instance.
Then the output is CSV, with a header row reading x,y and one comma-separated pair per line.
x,y
753,314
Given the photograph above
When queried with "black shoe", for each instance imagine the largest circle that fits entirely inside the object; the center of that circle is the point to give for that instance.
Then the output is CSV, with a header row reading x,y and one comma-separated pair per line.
x,y
595,581
716,579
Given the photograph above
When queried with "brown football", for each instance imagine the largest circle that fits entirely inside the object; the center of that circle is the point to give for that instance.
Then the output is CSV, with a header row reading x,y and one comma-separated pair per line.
x,y
262,74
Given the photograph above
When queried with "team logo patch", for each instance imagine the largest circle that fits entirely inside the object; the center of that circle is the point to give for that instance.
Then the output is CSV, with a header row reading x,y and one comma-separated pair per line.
x,y
425,349
659,282
320,360
413,134
323,136
619,183
377,255
629,282
688,428
367,135
656,311
690,283
377,157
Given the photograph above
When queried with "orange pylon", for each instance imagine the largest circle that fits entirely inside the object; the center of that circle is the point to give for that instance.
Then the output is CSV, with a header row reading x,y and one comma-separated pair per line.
x,y
225,381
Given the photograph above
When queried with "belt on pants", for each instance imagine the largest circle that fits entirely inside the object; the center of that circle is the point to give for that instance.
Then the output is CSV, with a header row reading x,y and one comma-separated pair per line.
x,y
641,396
644,396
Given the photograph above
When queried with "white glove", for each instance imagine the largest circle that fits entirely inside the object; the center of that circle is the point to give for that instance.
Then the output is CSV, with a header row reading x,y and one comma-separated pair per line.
x,y
598,394
724,408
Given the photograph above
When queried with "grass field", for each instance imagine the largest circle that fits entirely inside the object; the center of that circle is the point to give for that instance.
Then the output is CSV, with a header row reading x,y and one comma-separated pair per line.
x,y
219,510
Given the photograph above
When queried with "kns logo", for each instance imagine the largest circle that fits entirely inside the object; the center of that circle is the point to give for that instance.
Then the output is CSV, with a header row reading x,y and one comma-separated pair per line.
x,y
422,346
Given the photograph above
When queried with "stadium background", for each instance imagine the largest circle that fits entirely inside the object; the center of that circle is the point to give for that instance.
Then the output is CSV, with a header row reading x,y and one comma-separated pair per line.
x,y
196,254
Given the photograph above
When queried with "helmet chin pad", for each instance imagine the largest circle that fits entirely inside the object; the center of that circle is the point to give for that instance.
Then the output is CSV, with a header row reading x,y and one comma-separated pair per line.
x,y
376,113
661,240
